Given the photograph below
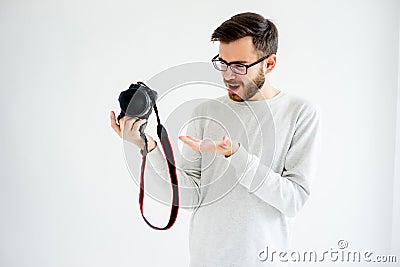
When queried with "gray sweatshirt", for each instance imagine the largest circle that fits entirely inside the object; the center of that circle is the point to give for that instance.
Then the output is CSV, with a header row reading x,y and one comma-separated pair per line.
x,y
241,204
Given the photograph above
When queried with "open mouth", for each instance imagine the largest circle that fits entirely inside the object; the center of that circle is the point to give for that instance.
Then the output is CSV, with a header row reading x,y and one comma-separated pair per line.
x,y
233,87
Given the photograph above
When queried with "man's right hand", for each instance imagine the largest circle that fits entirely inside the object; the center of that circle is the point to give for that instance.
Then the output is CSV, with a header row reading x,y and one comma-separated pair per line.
x,y
128,129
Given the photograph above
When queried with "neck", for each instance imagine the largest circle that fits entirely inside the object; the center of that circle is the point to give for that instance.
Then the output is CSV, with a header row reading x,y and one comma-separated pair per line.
x,y
267,91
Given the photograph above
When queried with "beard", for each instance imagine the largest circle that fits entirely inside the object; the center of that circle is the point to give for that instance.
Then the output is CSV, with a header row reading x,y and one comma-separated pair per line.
x,y
250,89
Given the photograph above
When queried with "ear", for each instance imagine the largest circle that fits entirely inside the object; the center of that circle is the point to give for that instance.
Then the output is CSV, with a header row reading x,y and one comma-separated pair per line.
x,y
269,63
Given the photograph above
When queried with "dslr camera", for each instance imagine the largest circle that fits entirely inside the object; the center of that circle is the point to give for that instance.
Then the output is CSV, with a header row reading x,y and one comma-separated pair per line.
x,y
137,101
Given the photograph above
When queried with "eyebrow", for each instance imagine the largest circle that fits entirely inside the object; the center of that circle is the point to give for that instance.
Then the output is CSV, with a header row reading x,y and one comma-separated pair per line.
x,y
239,61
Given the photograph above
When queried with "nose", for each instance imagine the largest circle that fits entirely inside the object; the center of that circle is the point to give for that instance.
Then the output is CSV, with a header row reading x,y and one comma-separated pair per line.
x,y
228,74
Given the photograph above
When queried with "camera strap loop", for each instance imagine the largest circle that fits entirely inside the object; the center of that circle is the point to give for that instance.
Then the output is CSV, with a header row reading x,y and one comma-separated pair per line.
x,y
166,145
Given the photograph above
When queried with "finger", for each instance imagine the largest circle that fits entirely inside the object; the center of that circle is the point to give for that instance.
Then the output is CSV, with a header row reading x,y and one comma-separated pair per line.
x,y
225,139
193,144
193,138
130,121
114,124
122,122
127,118
136,124
223,142
126,122
228,142
186,140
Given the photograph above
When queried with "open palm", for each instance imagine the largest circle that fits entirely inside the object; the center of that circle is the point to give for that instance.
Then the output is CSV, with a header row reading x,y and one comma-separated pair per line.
x,y
224,147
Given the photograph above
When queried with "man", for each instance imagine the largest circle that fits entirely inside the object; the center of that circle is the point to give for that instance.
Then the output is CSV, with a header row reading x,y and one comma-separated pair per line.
x,y
260,175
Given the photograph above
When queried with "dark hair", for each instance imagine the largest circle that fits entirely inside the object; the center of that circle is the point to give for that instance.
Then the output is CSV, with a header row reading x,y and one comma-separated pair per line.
x,y
263,31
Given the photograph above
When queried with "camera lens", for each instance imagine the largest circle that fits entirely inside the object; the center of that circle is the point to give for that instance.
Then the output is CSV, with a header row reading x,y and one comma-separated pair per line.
x,y
139,104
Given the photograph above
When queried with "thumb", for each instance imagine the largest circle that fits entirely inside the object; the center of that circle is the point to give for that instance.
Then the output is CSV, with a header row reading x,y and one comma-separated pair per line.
x,y
226,140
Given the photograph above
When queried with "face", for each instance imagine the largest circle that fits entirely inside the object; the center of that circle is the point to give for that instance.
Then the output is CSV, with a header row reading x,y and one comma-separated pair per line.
x,y
242,87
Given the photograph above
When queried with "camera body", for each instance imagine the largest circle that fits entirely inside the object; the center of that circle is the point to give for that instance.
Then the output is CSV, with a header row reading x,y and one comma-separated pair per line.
x,y
137,101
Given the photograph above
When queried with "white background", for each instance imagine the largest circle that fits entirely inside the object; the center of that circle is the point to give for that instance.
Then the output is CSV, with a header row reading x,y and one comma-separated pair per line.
x,y
66,196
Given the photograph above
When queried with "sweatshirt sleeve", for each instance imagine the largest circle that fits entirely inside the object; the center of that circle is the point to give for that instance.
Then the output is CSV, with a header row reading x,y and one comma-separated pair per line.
x,y
288,191
188,170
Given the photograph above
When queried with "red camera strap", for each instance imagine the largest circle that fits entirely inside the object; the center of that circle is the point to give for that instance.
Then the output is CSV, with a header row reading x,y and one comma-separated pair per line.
x,y
166,145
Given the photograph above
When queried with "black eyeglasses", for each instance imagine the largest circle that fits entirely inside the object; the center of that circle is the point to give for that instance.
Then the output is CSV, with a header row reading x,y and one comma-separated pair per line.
x,y
235,66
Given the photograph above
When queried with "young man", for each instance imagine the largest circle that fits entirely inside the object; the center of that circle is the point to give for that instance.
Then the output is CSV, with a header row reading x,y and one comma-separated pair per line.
x,y
244,187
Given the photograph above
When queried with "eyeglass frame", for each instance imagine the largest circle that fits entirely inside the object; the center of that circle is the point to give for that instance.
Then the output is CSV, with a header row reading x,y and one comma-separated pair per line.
x,y
228,65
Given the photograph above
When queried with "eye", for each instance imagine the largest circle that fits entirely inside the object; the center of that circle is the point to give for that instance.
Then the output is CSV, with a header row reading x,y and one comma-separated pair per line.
x,y
239,66
220,65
